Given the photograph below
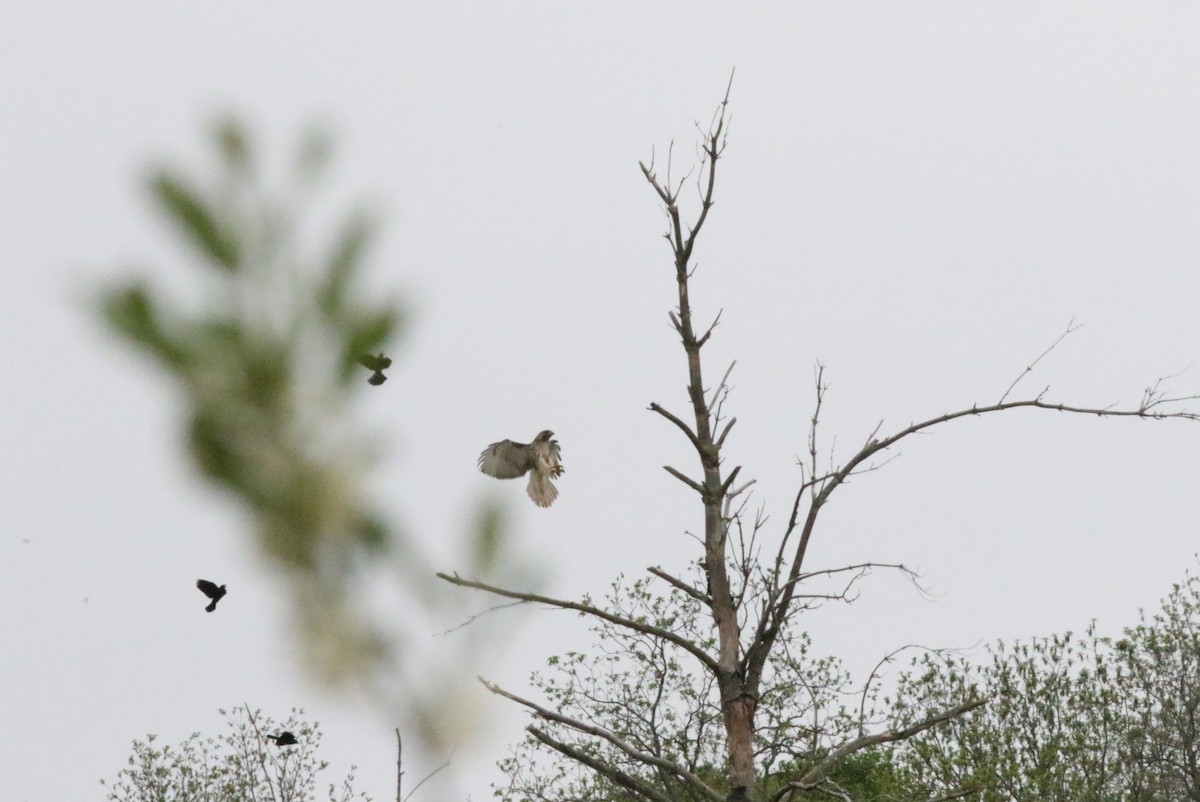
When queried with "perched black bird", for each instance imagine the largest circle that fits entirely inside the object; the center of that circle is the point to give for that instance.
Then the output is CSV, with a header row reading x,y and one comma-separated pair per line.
x,y
377,363
212,591
284,738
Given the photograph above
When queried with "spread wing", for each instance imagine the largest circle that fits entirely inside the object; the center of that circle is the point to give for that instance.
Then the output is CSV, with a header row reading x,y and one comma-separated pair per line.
x,y
506,459
209,589
375,361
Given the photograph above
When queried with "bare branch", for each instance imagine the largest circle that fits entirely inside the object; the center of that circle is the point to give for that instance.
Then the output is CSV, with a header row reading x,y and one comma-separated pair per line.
x,y
856,567
724,383
742,488
704,338
679,583
653,179
876,674
775,616
683,643
1153,396
694,485
725,432
602,732
1147,410
673,419
1029,368
815,774
874,433
713,149
870,468
729,479
616,775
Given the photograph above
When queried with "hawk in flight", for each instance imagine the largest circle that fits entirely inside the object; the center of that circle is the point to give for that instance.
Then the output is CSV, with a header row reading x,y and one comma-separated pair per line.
x,y
540,459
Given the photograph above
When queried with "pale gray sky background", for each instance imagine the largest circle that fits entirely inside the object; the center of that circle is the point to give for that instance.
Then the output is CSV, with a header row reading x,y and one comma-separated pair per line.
x,y
921,195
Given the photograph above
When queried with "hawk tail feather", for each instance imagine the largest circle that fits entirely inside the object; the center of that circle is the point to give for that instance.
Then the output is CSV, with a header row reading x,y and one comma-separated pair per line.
x,y
541,489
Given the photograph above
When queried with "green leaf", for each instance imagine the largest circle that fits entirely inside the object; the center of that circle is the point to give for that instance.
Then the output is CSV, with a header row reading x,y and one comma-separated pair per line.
x,y
489,538
233,143
184,204
343,260
372,534
315,151
131,311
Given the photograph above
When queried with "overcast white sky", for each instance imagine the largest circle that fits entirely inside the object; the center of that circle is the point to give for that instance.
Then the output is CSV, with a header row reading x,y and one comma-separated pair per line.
x,y
920,195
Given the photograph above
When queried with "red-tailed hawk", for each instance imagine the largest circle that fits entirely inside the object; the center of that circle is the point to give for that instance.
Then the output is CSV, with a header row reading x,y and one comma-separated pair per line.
x,y
540,459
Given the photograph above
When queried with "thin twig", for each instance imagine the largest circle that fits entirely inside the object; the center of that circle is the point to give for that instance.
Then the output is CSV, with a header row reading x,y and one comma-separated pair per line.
x,y
400,764
427,777
471,619
1029,368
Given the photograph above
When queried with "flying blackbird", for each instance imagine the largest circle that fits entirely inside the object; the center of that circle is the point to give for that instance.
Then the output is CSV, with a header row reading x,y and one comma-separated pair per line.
x,y
377,363
284,738
212,591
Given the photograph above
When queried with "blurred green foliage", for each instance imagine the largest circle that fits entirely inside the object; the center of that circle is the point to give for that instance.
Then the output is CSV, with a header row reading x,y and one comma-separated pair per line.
x,y
267,364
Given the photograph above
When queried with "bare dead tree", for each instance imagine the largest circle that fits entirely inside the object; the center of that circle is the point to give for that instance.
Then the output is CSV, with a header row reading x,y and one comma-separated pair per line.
x,y
749,601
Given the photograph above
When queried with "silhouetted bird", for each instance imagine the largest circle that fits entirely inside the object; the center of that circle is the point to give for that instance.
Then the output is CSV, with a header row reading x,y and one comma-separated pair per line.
x,y
378,363
284,738
212,591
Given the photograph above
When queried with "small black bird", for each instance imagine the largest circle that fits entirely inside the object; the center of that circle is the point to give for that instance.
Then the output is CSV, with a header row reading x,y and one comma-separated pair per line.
x,y
378,363
284,738
212,591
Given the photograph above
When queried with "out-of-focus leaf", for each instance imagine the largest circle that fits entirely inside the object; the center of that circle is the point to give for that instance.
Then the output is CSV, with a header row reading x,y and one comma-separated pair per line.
x,y
264,357
315,150
372,533
212,451
489,538
284,538
130,310
344,259
233,143
184,204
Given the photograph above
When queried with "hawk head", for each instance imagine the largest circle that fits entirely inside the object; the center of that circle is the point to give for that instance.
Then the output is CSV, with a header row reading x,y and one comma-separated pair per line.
x,y
543,436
